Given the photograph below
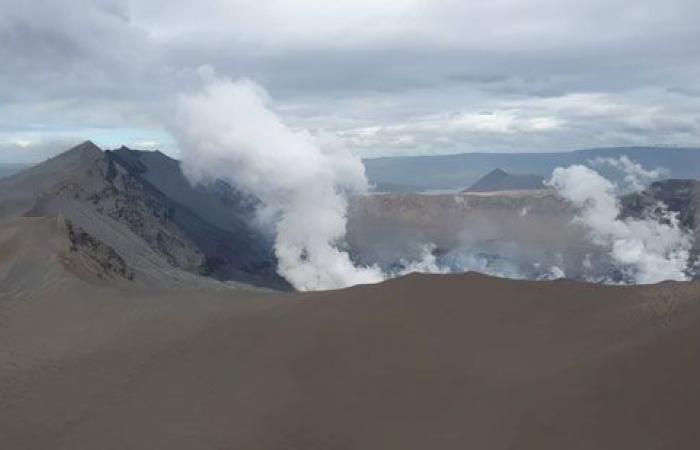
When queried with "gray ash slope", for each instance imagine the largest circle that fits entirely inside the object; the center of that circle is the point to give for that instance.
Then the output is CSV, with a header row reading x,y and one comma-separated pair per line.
x,y
140,206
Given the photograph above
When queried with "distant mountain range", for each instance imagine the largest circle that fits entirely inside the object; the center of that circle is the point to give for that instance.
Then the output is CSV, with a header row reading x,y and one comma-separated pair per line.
x,y
498,180
420,173
460,171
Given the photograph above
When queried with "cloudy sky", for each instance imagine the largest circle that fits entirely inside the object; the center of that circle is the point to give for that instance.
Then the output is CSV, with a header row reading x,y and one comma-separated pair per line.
x,y
391,78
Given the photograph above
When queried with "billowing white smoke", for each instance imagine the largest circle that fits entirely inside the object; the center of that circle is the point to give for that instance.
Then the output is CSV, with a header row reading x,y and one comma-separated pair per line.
x,y
647,250
227,131
460,260
428,263
636,177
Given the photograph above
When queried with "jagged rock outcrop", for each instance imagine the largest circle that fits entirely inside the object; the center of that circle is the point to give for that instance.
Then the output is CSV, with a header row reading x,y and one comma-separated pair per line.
x,y
41,255
681,197
108,261
139,205
216,217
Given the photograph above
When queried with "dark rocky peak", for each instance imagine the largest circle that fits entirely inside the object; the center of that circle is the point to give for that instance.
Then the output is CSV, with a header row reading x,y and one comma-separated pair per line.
x,y
496,173
139,203
679,195
674,188
128,159
81,164
87,148
78,157
216,217
499,180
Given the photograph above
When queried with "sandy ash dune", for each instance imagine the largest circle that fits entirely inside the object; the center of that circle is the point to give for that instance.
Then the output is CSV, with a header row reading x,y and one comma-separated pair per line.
x,y
458,361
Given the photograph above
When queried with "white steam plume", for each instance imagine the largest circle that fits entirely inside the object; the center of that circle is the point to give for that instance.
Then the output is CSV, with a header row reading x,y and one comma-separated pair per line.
x,y
646,250
428,263
636,176
227,131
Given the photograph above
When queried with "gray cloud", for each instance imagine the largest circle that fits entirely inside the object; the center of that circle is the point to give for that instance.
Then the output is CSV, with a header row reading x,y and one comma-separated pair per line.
x,y
407,77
